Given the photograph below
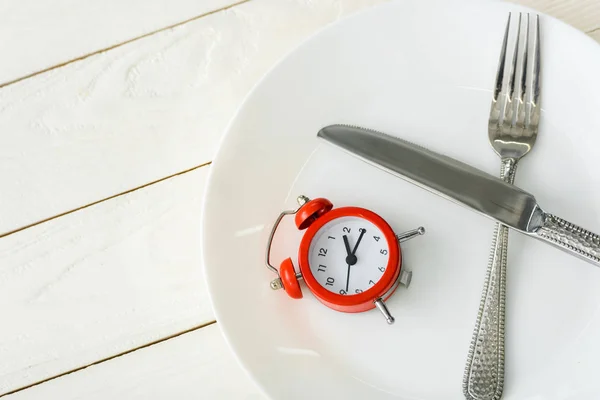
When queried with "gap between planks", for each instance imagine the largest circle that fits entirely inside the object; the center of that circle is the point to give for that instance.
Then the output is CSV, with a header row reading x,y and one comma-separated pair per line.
x,y
126,192
83,57
2,85
104,199
123,353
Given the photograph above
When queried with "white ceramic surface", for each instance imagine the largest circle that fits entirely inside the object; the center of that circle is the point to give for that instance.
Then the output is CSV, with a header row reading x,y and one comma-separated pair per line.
x,y
422,70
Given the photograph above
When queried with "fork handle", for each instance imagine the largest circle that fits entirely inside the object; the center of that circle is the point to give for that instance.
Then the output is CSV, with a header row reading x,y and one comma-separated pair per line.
x,y
484,372
570,237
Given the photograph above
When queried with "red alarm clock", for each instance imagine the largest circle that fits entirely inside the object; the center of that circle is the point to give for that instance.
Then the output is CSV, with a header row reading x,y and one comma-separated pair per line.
x,y
349,257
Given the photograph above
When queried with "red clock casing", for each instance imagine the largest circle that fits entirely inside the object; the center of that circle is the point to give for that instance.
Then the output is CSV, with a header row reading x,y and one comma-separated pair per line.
x,y
358,302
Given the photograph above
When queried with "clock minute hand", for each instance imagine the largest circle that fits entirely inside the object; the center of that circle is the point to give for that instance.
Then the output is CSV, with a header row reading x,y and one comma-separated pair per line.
x,y
362,232
348,260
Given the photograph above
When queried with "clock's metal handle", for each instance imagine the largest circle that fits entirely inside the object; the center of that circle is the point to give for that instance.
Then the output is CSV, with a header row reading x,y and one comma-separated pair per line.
x,y
276,283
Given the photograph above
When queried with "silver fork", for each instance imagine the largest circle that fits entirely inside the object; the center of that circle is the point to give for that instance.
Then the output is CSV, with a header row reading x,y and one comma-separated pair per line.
x,y
512,130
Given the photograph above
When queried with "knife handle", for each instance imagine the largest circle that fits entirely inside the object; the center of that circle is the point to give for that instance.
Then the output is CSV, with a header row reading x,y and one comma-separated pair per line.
x,y
570,237
484,371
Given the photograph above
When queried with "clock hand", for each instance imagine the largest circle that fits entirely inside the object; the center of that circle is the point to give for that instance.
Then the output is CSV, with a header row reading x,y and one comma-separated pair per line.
x,y
350,258
348,277
347,244
362,232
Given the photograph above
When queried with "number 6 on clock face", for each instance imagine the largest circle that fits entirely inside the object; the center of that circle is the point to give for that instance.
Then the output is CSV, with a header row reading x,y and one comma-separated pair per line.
x,y
349,257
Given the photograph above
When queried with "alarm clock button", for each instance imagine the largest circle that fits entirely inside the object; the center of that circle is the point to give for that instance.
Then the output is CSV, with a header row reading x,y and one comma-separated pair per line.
x,y
288,277
311,211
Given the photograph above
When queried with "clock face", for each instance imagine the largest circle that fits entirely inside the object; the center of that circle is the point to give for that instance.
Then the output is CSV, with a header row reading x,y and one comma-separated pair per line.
x,y
348,255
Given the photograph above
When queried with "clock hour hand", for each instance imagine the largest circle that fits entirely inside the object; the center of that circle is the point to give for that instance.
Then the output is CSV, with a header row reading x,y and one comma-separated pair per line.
x,y
350,258
347,244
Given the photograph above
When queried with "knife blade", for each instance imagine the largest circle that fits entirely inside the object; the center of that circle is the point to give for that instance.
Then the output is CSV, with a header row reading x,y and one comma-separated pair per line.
x,y
464,185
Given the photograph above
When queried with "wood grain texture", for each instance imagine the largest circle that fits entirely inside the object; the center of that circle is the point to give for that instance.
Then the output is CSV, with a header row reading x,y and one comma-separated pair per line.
x,y
40,34
197,365
146,110
126,272
581,14
101,281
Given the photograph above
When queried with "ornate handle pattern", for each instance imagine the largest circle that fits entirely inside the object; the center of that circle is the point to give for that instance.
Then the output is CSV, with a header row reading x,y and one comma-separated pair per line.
x,y
571,237
484,372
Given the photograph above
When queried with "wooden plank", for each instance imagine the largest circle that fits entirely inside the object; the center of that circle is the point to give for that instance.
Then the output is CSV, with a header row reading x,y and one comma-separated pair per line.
x,y
154,107
197,365
148,109
124,272
102,280
41,34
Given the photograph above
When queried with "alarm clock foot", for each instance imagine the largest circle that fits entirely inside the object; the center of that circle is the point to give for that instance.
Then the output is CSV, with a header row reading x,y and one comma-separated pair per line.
x,y
405,277
403,237
384,310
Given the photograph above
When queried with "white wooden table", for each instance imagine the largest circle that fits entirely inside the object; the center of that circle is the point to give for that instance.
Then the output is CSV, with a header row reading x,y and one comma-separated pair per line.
x,y
110,114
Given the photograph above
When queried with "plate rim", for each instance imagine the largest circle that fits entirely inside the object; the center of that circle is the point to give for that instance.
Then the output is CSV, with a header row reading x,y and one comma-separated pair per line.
x,y
579,36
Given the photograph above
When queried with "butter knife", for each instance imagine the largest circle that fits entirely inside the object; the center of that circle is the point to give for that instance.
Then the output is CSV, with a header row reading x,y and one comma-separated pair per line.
x,y
465,185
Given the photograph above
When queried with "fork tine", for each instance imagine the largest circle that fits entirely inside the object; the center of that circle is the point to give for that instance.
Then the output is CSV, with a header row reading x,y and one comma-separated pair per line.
x,y
512,106
514,65
524,64
499,97
502,62
535,76
520,119
536,62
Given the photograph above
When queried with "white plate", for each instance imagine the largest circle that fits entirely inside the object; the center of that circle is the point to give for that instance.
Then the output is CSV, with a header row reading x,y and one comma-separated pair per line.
x,y
423,71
